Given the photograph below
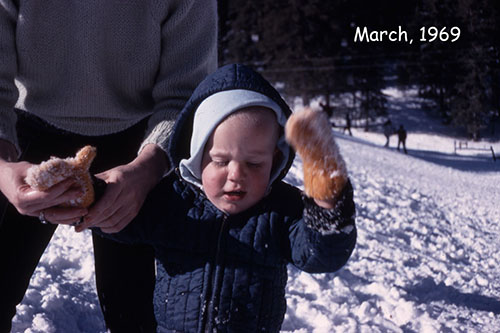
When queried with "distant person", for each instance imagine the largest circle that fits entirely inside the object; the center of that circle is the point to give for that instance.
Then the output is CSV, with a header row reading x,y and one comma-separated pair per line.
x,y
347,124
327,108
388,131
402,138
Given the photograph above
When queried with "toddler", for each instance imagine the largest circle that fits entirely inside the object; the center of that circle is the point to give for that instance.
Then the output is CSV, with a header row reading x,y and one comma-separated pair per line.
x,y
224,225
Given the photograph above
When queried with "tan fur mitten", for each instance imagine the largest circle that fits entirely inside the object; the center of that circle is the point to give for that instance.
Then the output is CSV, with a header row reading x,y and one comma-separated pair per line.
x,y
48,173
310,134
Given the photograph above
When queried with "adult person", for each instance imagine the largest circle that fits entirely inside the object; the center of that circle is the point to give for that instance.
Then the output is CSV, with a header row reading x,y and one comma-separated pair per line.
x,y
326,108
388,131
402,138
347,126
111,74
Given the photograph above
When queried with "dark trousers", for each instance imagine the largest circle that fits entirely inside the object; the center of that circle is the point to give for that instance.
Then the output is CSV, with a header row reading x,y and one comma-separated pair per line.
x,y
402,141
124,273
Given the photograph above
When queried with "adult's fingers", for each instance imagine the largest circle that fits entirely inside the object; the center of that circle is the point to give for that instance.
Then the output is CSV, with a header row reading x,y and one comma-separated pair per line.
x,y
102,210
118,221
33,197
64,215
35,201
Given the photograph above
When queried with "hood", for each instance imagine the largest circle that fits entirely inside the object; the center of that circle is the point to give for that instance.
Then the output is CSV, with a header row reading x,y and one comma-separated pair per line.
x,y
231,88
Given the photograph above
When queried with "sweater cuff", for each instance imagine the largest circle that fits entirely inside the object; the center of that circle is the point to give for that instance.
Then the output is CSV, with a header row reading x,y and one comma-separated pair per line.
x,y
339,219
159,129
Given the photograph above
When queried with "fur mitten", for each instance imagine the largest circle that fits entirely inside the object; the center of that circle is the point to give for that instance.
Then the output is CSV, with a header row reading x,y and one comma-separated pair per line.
x,y
309,133
55,170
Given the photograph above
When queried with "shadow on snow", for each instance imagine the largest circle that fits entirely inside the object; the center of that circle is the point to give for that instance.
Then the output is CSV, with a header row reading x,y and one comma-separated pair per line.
x,y
428,291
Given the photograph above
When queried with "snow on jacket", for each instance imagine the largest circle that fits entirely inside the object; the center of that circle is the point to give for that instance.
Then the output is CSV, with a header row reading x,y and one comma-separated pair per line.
x,y
228,273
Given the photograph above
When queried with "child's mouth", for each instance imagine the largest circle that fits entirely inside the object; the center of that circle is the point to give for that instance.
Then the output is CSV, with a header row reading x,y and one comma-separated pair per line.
x,y
234,195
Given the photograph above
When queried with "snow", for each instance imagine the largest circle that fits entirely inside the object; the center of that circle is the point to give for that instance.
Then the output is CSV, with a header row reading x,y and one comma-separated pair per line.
x,y
427,257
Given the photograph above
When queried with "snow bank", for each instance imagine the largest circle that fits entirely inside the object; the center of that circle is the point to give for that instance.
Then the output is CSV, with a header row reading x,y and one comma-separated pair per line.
x,y
427,258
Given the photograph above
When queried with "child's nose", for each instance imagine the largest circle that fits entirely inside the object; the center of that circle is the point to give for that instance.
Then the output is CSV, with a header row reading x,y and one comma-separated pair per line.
x,y
236,171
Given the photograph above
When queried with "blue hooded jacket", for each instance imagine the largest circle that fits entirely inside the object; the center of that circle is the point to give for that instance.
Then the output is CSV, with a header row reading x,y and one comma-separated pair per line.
x,y
228,273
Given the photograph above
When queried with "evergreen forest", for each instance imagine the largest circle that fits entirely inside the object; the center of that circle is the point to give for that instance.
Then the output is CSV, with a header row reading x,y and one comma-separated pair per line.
x,y
308,49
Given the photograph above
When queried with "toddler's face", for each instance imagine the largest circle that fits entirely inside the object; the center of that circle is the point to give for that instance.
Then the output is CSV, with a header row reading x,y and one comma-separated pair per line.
x,y
237,163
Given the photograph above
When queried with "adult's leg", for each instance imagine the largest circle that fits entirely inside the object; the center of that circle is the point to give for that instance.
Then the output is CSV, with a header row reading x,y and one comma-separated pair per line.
x,y
125,274
125,279
23,240
113,150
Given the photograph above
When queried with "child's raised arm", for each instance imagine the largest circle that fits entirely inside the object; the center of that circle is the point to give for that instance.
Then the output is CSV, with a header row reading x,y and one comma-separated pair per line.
x,y
325,238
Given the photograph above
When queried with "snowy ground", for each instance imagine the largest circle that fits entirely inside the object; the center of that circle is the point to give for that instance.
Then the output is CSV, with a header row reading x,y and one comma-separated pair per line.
x,y
427,257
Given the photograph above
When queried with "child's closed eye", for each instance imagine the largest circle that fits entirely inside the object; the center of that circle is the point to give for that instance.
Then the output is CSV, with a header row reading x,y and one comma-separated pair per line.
x,y
220,163
254,164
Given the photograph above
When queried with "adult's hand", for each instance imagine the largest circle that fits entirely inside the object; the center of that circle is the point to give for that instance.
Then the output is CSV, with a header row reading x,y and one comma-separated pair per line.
x,y
127,188
31,202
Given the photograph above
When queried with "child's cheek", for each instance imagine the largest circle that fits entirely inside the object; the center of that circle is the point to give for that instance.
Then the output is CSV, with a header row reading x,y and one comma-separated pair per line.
x,y
213,180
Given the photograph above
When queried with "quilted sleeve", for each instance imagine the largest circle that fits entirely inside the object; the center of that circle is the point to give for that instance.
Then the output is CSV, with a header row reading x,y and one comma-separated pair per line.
x,y
324,239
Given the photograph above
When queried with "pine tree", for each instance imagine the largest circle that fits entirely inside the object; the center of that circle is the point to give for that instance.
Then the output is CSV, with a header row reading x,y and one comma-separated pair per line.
x,y
471,104
458,76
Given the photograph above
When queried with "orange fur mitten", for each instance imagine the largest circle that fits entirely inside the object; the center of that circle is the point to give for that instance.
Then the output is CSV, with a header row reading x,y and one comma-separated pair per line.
x,y
45,175
310,134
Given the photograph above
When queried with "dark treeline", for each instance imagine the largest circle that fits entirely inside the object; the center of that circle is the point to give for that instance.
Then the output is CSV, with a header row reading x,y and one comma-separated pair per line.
x,y
308,47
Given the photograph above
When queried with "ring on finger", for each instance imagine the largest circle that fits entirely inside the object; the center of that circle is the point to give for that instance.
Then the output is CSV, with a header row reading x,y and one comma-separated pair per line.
x,y
76,223
42,218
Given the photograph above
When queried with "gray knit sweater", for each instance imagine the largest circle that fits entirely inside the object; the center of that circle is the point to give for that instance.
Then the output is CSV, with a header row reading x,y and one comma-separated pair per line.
x,y
97,67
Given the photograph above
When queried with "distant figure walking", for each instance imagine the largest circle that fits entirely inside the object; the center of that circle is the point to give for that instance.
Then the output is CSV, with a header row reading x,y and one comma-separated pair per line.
x,y
388,131
402,138
326,108
347,124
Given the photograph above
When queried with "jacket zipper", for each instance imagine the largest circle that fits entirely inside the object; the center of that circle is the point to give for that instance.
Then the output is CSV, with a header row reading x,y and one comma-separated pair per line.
x,y
216,279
